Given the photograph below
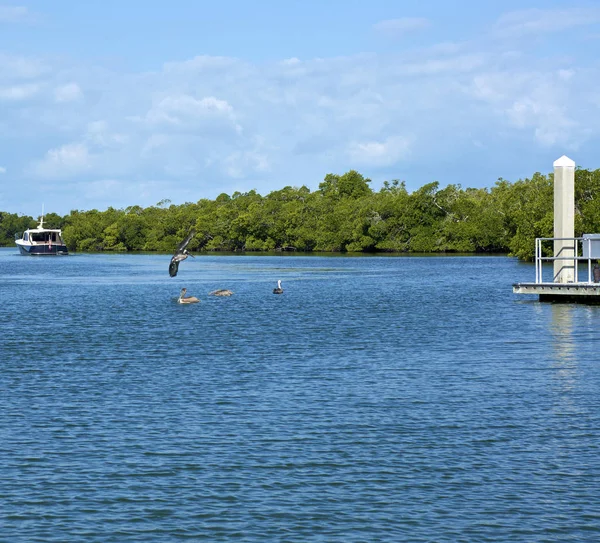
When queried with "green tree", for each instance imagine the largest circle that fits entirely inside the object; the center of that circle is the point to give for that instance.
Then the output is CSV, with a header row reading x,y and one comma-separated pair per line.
x,y
527,207
351,184
12,225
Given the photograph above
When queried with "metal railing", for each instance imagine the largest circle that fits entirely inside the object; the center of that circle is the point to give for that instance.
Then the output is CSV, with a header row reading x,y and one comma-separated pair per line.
x,y
577,249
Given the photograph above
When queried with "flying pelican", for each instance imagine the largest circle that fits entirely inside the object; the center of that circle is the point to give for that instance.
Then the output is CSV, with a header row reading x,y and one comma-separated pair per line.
x,y
278,290
221,292
183,299
181,254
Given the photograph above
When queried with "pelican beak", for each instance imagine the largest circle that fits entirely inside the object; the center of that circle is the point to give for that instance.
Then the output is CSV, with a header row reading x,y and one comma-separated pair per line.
x,y
191,255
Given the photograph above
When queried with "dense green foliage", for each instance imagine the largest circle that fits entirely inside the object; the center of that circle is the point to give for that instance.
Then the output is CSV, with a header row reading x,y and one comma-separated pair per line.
x,y
343,215
10,224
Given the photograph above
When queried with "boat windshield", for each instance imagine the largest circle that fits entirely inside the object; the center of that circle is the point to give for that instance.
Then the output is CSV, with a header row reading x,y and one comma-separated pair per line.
x,y
44,237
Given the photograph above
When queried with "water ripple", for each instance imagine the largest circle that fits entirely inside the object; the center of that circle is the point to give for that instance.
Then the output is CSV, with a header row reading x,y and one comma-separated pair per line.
x,y
378,399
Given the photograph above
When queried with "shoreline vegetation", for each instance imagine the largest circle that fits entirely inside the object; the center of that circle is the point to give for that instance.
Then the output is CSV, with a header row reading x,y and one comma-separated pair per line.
x,y
344,215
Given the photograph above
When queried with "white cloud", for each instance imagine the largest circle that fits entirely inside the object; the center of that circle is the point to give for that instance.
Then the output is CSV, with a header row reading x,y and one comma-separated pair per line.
x,y
489,87
100,193
2,169
70,92
13,14
204,125
200,64
536,102
181,111
540,21
65,161
240,164
99,134
565,75
379,153
153,144
445,48
435,66
19,92
20,67
401,26
551,125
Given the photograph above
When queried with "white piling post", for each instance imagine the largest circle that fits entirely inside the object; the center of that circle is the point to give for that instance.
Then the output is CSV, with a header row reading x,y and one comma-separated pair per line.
x,y
564,219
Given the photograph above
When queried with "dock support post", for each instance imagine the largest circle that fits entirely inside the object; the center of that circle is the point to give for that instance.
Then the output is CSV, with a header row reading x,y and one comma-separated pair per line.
x,y
564,219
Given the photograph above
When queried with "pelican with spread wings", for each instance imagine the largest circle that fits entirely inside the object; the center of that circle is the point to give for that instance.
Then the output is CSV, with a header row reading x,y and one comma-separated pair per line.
x,y
181,254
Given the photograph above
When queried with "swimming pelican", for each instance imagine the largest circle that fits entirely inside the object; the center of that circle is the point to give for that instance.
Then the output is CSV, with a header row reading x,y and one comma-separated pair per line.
x,y
278,290
221,292
183,299
181,254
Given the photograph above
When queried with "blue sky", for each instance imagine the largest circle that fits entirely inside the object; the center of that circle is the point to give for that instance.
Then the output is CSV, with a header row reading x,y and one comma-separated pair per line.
x,y
118,103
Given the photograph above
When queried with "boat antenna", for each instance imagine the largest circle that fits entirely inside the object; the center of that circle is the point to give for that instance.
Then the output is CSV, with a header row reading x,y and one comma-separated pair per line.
x,y
41,225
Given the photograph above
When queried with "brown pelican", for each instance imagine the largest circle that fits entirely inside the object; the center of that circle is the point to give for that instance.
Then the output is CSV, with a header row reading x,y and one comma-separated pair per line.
x,y
181,254
221,292
278,290
183,299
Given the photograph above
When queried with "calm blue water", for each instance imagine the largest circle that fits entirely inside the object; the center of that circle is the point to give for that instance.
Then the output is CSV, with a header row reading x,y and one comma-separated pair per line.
x,y
378,399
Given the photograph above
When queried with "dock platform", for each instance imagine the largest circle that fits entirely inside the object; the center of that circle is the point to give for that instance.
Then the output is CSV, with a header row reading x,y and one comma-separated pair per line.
x,y
571,259
575,277
583,293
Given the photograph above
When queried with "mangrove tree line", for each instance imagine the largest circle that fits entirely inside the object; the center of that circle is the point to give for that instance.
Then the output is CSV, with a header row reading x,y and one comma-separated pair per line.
x,y
343,215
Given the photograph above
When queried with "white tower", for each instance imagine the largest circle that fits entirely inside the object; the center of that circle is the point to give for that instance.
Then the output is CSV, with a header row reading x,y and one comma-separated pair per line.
x,y
564,219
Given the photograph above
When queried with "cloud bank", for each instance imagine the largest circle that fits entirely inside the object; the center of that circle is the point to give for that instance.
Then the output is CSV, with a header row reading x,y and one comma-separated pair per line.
x,y
14,14
461,112
401,26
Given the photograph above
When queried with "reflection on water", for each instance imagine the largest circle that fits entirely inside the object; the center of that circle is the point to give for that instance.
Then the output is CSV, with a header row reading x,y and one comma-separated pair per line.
x,y
562,332
564,363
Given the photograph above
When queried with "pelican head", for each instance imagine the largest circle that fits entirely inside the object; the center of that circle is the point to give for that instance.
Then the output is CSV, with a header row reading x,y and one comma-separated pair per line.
x,y
183,299
278,290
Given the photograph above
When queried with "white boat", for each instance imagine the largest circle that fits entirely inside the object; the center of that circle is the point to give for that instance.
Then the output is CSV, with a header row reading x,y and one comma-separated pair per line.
x,y
41,241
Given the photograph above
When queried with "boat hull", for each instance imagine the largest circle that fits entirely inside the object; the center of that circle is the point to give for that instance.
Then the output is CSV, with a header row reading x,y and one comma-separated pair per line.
x,y
41,250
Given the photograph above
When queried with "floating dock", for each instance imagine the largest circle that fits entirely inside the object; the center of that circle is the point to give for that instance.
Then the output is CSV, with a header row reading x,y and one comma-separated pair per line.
x,y
582,293
576,273
584,267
